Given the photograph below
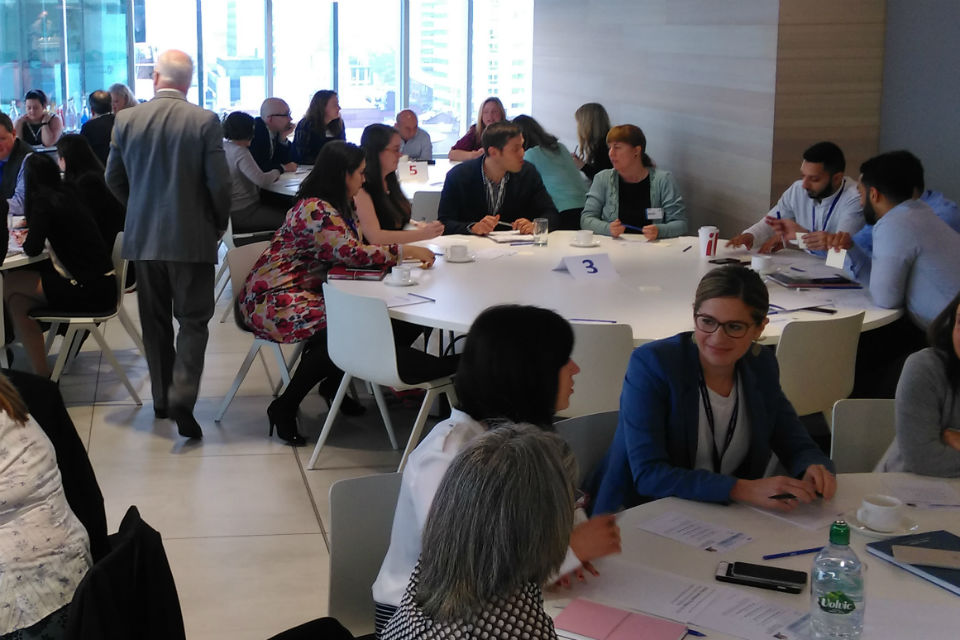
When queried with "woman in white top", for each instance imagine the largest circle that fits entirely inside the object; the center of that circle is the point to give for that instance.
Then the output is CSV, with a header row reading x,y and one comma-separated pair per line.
x,y
247,213
44,550
515,367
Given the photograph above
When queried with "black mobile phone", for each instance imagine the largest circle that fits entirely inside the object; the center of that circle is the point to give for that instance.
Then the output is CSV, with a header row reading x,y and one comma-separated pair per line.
x,y
762,576
726,261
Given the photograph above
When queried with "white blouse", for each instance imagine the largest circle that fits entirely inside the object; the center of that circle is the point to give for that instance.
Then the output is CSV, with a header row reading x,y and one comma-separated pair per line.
x,y
44,549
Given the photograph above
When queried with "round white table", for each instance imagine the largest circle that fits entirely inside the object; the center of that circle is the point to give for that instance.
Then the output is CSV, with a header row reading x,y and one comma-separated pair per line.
x,y
654,293
893,595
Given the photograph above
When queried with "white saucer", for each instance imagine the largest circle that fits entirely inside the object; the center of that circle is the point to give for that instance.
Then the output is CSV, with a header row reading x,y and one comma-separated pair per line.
x,y
470,258
907,525
393,283
595,243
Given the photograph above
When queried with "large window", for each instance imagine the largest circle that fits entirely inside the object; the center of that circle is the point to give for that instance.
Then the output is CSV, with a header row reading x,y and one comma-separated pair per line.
x,y
234,51
302,51
503,54
158,26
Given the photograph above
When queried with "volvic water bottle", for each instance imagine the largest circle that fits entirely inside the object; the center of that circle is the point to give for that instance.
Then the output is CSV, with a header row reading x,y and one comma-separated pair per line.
x,y
836,588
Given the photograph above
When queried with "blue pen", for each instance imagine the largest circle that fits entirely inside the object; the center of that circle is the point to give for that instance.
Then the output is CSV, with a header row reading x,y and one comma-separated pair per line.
x,y
591,320
696,634
630,226
797,269
789,554
778,214
689,246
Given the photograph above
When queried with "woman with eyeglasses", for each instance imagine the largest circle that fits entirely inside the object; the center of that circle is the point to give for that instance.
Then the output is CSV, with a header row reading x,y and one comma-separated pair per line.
x,y
701,413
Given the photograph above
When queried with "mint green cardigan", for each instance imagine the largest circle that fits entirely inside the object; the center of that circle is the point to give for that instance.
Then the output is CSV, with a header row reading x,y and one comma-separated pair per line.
x,y
603,203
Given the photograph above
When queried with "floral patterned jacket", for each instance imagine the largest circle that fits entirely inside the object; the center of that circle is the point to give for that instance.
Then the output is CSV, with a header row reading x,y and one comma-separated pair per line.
x,y
282,298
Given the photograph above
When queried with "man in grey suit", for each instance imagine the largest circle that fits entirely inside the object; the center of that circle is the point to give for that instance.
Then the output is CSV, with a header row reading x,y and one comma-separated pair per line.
x,y
167,164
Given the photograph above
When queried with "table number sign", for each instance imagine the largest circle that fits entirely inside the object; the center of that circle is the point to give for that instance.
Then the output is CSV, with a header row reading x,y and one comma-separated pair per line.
x,y
412,172
592,267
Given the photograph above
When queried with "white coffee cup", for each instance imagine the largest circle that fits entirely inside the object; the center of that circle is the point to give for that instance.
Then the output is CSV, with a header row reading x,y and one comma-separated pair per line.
x,y
880,512
762,264
709,237
457,252
801,243
401,274
584,237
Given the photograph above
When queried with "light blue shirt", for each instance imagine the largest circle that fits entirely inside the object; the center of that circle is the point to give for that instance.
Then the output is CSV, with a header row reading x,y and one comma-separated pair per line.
x,y
945,209
564,182
15,202
916,262
419,147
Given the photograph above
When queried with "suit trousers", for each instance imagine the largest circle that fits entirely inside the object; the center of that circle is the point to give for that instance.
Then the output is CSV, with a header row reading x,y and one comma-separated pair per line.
x,y
181,290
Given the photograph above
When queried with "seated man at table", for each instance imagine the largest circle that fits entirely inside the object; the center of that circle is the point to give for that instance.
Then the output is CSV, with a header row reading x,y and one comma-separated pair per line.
x,y
822,201
12,152
270,147
497,189
97,130
416,142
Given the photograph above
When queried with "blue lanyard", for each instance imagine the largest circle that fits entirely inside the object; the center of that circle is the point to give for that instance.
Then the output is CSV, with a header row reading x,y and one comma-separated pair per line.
x,y
830,211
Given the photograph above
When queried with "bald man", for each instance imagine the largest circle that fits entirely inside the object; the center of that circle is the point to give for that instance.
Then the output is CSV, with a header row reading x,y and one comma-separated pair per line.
x,y
416,141
270,146
167,164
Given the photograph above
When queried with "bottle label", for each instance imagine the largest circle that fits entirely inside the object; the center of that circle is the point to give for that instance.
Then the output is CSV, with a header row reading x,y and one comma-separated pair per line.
x,y
836,602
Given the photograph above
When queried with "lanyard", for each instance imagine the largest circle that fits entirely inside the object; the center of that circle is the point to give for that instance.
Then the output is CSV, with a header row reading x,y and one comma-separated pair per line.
x,y
708,411
830,211
494,198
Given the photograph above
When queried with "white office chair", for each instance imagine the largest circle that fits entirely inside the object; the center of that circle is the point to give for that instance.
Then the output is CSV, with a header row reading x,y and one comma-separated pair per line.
x,y
240,261
602,352
360,342
589,438
817,360
229,241
426,205
84,321
862,433
361,518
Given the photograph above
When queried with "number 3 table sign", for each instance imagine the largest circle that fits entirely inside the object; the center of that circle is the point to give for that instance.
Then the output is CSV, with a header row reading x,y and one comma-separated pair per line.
x,y
590,267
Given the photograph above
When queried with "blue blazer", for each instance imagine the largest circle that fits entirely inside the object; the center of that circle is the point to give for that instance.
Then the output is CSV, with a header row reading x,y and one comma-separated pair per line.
x,y
655,445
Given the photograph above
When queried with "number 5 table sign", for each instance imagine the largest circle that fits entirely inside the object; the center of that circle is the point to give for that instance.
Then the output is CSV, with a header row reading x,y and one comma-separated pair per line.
x,y
412,172
589,267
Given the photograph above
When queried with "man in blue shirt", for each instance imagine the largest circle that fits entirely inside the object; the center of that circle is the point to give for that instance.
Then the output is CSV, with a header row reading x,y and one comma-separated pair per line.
x,y
12,152
270,147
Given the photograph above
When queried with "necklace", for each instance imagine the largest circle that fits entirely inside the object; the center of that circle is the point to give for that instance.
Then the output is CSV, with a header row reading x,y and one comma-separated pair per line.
x,y
35,133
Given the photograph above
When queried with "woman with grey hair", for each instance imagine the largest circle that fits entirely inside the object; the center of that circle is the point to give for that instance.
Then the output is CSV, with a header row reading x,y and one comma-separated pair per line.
x,y
497,530
121,97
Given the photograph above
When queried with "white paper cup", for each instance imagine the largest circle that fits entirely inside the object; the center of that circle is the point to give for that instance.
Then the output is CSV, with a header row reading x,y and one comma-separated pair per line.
x,y
880,512
457,252
762,264
401,274
584,237
709,237
801,243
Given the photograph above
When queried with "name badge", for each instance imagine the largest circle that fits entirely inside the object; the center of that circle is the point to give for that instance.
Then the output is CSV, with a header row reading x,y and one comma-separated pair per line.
x,y
590,267
835,259
654,214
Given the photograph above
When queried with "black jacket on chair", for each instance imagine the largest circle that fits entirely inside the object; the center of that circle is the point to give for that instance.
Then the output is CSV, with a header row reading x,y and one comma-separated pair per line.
x,y
130,593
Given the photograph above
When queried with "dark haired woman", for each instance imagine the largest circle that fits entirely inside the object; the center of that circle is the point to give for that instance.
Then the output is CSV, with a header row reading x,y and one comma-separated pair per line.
x,y
515,367
82,279
928,403
562,179
282,299
247,213
320,125
634,194
512,490
382,208
82,168
36,127
701,413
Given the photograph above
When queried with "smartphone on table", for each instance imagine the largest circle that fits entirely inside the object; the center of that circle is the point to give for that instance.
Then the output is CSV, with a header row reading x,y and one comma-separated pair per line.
x,y
765,577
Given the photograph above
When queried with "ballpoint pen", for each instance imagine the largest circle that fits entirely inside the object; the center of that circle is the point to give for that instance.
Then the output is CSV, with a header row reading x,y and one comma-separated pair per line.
x,y
788,554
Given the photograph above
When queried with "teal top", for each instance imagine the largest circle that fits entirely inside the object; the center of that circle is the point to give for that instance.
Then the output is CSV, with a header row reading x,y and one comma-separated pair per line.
x,y
603,203
560,175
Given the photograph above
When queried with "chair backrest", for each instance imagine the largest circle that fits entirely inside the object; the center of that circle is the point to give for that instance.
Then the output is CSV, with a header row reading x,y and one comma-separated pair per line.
x,y
589,437
426,206
119,267
360,337
240,261
817,360
602,352
361,518
862,432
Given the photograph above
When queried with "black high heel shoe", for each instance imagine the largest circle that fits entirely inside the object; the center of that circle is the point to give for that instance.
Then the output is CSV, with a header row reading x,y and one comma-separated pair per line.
x,y
285,424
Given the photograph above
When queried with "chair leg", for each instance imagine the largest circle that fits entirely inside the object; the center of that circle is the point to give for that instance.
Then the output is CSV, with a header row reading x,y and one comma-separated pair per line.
x,y
382,404
113,362
51,335
221,272
418,426
226,313
238,380
132,331
451,392
266,368
331,416
64,353
74,349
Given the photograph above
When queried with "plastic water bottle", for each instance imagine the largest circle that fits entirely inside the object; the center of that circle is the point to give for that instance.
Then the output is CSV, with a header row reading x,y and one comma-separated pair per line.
x,y
836,591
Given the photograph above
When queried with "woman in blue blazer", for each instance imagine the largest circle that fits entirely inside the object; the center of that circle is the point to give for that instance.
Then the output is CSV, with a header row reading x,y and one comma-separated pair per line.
x,y
701,412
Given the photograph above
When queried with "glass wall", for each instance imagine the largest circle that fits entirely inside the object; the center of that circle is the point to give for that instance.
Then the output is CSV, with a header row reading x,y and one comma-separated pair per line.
x,y
67,48
302,64
158,26
503,54
234,46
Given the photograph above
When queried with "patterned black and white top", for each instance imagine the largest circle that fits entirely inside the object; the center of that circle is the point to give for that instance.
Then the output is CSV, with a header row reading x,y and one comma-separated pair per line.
x,y
520,615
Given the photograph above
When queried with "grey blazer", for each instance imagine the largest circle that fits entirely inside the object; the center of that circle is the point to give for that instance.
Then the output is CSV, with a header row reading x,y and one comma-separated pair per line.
x,y
167,165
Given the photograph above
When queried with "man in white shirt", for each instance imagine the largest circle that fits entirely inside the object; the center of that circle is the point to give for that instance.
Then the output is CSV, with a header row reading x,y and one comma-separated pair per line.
x,y
822,202
416,142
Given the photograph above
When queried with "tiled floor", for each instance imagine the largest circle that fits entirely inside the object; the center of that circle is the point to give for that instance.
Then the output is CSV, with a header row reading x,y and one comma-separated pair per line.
x,y
244,523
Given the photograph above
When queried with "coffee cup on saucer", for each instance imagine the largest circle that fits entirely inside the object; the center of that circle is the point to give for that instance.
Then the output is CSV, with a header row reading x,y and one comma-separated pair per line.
x,y
584,237
400,274
762,264
458,253
881,513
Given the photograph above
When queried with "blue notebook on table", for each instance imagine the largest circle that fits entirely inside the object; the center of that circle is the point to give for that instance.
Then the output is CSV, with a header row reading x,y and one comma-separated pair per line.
x,y
949,579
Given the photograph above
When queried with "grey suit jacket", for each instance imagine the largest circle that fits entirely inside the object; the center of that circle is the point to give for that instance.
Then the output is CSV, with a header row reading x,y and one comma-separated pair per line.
x,y
167,164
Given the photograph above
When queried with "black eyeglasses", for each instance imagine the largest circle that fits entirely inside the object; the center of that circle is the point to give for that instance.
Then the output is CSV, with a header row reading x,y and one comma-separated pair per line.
x,y
709,324
280,115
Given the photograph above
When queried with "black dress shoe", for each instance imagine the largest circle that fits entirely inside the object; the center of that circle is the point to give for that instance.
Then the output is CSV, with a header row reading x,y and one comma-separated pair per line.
x,y
187,425
285,424
160,413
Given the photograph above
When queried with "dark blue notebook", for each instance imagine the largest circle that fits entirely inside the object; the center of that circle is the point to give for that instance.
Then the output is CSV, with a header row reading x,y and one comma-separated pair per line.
x,y
949,579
